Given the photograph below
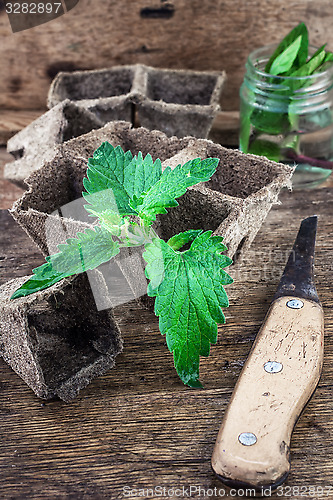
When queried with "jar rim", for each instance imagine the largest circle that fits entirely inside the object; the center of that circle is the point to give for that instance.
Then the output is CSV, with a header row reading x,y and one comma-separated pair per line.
x,y
268,50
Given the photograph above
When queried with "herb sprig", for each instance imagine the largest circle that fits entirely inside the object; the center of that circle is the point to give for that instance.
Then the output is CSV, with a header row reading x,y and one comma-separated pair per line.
x,y
187,285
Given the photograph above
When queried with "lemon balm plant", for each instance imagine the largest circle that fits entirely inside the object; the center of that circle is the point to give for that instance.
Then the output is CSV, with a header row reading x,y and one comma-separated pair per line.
x,y
125,194
287,106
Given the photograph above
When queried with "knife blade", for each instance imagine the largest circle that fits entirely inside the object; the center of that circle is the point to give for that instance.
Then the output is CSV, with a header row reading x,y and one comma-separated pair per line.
x,y
281,373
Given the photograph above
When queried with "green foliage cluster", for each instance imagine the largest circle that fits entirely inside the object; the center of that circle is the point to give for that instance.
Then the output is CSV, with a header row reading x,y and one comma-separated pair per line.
x,y
288,67
125,194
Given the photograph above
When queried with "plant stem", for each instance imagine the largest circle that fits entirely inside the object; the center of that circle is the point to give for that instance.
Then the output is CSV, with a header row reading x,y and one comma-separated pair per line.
x,y
314,162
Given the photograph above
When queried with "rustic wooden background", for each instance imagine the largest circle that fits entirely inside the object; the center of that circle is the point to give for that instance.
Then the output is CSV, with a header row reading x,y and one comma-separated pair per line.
x,y
138,425
195,34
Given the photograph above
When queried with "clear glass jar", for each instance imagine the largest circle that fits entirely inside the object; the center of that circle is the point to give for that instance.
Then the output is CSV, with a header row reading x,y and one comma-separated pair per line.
x,y
288,119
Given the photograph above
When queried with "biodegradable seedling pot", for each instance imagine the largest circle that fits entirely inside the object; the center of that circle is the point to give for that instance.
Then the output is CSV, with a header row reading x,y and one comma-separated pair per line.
x,y
108,93
232,204
55,339
37,143
178,102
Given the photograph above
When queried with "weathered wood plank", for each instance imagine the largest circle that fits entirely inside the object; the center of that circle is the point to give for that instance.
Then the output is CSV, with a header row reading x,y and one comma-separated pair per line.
x,y
210,35
225,128
8,191
13,121
133,442
138,426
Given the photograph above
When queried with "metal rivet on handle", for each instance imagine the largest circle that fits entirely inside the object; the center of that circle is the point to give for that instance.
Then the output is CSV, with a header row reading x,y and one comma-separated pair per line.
x,y
247,438
273,367
295,304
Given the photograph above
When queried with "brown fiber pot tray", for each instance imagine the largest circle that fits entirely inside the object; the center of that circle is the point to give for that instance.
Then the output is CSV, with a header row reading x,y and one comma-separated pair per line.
x,y
177,101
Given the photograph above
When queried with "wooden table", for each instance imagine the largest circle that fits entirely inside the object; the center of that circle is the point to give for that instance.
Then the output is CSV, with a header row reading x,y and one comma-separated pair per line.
x,y
138,427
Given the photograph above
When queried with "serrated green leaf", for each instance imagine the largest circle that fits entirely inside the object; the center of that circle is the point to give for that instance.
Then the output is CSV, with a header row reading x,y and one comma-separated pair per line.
x,y
87,251
118,183
301,56
189,292
284,61
117,177
105,175
179,240
172,185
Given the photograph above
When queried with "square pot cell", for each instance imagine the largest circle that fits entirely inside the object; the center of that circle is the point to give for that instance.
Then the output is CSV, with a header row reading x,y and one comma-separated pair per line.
x,y
92,84
56,340
37,143
107,93
180,102
183,87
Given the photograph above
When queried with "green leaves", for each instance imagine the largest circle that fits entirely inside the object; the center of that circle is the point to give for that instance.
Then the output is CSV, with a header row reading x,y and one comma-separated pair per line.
x,y
126,193
189,292
117,177
86,252
326,62
137,186
312,64
300,31
171,185
273,107
262,147
284,61
291,57
296,82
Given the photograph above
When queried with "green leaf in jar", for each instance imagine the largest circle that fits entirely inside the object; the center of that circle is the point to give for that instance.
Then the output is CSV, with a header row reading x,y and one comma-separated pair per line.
x,y
263,147
295,80
302,54
327,62
245,127
284,61
308,68
270,122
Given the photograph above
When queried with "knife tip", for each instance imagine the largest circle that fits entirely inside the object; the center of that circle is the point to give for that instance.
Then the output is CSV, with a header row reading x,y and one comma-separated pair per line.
x,y
310,222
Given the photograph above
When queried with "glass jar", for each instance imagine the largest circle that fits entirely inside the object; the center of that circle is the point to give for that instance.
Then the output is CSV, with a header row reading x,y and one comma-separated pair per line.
x,y
288,119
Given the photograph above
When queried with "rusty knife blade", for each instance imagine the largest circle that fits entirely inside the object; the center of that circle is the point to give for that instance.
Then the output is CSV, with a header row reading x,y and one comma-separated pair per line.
x,y
298,276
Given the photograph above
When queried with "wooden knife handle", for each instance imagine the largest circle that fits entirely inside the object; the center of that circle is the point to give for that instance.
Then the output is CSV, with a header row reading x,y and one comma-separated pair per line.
x,y
277,380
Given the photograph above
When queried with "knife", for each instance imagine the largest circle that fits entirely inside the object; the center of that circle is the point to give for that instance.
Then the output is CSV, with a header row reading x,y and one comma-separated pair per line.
x,y
277,380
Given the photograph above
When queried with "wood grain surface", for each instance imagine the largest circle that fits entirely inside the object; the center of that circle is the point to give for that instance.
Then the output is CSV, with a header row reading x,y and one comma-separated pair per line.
x,y
138,426
13,121
201,35
8,192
